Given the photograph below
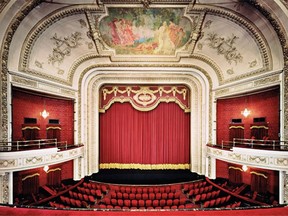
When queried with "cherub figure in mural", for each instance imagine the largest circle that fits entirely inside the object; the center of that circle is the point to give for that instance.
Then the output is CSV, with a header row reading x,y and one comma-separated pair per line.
x,y
165,44
121,31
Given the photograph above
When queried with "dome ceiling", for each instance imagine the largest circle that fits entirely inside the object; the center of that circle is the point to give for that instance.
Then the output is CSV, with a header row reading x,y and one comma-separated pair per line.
x,y
229,40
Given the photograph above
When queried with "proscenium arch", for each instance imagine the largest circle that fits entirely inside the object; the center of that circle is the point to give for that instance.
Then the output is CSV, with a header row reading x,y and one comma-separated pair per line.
x,y
197,83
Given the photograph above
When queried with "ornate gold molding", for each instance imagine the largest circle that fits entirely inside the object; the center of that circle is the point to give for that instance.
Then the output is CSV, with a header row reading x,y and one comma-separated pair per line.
x,y
53,170
236,127
53,128
144,98
259,174
235,168
144,166
30,176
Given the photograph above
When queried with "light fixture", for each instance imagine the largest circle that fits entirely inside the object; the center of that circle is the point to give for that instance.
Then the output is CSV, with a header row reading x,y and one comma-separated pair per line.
x,y
246,112
44,113
244,168
46,168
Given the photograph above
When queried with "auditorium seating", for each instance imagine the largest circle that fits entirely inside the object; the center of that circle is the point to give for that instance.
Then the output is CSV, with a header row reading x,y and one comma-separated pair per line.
x,y
190,195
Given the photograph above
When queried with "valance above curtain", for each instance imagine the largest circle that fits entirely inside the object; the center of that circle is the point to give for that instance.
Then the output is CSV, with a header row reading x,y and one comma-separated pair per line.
x,y
144,98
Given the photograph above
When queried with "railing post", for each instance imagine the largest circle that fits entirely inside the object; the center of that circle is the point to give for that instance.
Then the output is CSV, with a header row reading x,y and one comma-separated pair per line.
x,y
233,142
17,144
222,144
66,144
273,144
39,141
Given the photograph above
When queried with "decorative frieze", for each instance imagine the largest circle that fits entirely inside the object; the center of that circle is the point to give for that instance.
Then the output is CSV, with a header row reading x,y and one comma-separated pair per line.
x,y
266,159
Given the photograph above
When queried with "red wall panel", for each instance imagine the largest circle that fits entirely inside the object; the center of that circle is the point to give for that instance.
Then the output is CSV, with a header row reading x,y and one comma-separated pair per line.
x,y
26,105
66,173
222,171
264,104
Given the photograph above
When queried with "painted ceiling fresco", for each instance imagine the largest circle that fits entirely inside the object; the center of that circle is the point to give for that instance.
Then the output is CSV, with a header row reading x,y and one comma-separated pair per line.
x,y
139,31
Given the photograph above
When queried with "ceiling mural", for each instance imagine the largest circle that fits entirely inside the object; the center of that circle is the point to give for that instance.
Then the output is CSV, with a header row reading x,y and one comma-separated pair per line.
x,y
139,31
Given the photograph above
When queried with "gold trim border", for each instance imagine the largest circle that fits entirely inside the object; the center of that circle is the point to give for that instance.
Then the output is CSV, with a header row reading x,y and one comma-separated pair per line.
x,y
53,128
144,166
53,170
28,127
252,127
259,174
235,168
235,127
30,176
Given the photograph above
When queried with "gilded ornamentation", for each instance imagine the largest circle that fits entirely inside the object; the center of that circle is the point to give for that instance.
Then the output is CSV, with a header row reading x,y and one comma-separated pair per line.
x,y
143,166
235,127
63,47
23,81
5,187
282,161
259,174
34,160
225,47
7,163
3,3
83,23
235,168
53,170
235,156
267,80
258,160
144,98
56,156
30,176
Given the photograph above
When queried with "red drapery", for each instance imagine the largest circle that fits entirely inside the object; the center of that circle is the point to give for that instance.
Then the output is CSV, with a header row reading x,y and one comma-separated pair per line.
x,y
54,177
160,136
259,182
30,184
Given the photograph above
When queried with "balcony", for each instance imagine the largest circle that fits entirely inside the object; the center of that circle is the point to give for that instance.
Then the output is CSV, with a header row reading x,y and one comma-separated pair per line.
x,y
269,154
22,155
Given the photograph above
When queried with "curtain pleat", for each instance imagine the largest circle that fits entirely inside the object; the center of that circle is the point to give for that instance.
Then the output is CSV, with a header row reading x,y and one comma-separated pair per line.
x,y
160,136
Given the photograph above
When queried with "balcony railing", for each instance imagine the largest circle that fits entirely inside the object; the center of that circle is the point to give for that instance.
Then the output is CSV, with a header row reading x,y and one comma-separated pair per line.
x,y
35,144
254,144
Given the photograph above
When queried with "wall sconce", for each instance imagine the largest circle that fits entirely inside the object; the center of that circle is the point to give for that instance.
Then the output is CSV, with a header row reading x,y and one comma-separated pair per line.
x,y
244,168
246,112
44,113
46,168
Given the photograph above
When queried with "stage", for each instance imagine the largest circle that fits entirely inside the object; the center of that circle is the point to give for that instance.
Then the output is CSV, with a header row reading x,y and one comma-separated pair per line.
x,y
144,177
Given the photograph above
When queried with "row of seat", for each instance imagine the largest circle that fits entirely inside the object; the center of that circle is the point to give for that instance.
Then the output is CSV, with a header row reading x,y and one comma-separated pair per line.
x,y
74,202
207,196
143,203
146,196
220,201
186,206
193,185
96,186
145,189
201,190
94,192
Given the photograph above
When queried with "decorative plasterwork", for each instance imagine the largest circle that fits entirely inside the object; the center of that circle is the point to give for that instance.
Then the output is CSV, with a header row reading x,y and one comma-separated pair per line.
x,y
22,160
144,98
250,85
3,3
31,84
273,160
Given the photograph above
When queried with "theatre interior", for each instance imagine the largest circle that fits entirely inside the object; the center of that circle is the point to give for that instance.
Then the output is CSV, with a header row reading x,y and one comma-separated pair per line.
x,y
144,107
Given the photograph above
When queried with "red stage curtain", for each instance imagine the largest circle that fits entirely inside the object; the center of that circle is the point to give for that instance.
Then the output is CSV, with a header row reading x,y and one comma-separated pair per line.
x,y
160,136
